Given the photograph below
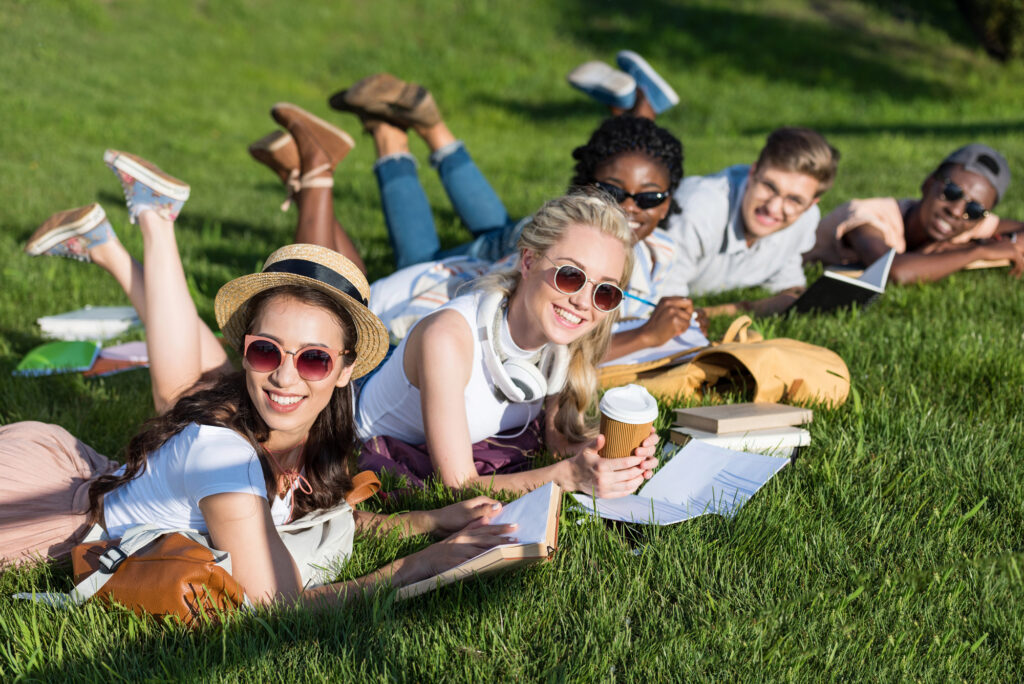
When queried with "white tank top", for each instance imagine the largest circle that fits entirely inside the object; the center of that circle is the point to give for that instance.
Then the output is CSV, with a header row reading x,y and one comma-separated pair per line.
x,y
389,405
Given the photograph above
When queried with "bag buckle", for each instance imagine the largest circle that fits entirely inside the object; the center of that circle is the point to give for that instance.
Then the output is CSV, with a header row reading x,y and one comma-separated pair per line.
x,y
111,560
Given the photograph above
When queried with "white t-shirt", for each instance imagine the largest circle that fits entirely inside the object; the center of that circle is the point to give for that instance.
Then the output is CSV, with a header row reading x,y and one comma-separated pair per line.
x,y
198,462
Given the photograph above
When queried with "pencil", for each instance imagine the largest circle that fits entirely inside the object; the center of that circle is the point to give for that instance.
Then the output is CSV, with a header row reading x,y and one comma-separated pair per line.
x,y
639,299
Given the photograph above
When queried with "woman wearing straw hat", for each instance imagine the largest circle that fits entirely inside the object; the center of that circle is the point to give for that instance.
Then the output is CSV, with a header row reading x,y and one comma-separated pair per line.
x,y
233,453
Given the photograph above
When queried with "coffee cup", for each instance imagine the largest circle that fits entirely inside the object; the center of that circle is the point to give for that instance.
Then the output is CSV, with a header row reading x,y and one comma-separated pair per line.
x,y
627,414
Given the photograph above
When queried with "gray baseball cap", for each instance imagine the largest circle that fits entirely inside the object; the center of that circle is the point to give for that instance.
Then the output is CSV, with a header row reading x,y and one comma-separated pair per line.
x,y
984,161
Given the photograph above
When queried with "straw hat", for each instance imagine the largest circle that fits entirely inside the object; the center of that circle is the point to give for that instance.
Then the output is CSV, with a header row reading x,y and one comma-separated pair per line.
x,y
317,267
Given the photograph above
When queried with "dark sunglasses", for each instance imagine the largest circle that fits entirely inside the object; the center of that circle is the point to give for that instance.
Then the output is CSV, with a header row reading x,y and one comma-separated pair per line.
x,y
973,210
644,200
264,355
571,279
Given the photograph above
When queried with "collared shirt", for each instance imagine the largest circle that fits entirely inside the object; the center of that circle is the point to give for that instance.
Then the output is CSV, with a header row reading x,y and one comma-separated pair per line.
x,y
710,236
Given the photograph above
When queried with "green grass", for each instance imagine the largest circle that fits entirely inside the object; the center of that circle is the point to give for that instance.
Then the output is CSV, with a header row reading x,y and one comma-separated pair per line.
x,y
892,550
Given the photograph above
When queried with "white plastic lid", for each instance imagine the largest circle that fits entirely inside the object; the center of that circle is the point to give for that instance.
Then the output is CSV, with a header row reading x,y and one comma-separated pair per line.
x,y
630,404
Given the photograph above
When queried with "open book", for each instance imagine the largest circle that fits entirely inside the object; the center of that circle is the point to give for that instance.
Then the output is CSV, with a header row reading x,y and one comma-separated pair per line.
x,y
699,479
537,516
834,290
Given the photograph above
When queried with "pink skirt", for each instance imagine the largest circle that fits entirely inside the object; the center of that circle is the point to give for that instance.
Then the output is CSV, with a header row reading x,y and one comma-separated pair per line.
x,y
45,473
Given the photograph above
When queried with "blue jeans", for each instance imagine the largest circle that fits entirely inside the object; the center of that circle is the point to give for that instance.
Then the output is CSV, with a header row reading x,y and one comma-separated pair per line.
x,y
409,219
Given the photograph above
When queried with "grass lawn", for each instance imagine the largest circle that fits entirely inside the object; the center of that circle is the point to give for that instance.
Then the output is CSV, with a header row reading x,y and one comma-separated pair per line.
x,y
891,550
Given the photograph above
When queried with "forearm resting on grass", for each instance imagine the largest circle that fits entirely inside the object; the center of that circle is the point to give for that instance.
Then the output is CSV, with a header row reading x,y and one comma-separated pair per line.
x,y
777,303
928,265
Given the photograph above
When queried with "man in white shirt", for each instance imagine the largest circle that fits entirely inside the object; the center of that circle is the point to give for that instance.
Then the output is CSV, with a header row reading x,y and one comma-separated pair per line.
x,y
747,226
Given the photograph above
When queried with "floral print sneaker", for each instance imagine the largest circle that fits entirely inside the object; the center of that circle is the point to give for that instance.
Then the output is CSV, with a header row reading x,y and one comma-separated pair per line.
x,y
71,233
146,186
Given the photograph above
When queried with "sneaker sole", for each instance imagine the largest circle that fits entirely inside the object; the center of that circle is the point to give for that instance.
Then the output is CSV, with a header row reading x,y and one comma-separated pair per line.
x,y
333,130
627,58
165,185
39,243
598,75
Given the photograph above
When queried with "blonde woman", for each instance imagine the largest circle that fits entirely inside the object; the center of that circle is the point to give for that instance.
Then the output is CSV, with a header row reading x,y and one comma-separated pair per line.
x,y
524,342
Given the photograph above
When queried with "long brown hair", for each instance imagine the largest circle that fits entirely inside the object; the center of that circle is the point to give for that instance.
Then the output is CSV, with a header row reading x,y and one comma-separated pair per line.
x,y
226,403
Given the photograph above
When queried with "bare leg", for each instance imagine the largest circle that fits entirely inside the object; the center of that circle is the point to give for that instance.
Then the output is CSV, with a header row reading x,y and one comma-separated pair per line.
x,y
115,259
436,136
390,139
181,347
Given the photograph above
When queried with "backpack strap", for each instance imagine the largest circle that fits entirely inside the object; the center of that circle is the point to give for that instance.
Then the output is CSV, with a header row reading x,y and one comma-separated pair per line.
x,y
364,485
133,541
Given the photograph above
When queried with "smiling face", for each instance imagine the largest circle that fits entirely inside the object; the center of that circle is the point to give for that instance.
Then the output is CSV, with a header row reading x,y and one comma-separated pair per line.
x,y
774,199
539,313
636,172
288,403
942,219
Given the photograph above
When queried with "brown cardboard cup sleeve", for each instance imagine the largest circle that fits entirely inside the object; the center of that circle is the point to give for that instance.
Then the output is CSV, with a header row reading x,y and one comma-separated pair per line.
x,y
627,414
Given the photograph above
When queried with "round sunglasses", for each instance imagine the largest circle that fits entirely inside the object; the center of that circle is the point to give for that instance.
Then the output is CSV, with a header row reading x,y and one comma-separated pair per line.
x,y
264,355
973,210
644,200
571,279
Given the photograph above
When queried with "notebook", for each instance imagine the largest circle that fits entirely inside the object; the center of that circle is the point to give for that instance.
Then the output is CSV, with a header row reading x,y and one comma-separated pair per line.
x,y
119,358
537,516
782,441
58,357
698,479
90,323
742,417
691,338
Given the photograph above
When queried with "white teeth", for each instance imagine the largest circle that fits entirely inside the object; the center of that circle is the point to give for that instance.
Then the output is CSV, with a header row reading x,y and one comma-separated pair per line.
x,y
284,401
633,225
568,316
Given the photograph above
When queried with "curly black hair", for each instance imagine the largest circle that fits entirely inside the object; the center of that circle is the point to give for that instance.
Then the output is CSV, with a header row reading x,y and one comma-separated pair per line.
x,y
621,134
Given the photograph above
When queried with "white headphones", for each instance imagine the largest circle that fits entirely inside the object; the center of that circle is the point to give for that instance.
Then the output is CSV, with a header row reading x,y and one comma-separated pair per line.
x,y
518,380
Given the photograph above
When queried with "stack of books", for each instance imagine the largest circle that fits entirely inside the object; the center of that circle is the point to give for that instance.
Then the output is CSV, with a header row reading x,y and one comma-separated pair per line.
x,y
763,428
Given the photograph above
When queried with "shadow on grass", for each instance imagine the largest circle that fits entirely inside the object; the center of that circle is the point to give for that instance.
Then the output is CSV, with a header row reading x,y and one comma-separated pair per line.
x,y
359,637
954,131
842,52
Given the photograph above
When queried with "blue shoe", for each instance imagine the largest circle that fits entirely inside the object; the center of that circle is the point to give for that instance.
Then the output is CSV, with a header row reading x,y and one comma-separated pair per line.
x,y
658,92
146,186
606,85
71,233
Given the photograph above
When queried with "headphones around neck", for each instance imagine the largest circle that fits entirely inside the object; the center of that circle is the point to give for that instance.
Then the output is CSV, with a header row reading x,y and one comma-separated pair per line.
x,y
518,380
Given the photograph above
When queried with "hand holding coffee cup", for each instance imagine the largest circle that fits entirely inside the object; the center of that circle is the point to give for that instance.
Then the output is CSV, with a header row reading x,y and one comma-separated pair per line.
x,y
627,414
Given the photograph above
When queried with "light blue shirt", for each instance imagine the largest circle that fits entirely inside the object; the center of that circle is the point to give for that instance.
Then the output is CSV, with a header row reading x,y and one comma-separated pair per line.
x,y
713,252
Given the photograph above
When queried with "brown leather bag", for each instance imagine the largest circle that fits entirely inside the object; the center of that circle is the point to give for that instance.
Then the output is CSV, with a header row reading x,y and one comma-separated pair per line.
x,y
781,369
172,573
172,576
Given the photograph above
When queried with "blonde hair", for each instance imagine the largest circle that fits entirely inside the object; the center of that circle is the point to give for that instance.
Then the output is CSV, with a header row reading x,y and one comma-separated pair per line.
x,y
545,228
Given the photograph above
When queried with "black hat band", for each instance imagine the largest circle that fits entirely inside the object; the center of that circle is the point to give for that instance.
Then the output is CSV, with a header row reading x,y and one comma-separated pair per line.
x,y
311,269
